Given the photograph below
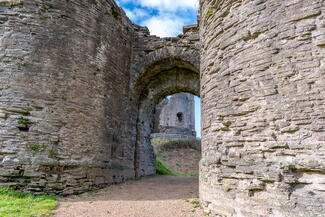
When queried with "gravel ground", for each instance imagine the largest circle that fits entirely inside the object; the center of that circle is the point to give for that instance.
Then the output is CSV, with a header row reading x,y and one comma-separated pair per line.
x,y
158,196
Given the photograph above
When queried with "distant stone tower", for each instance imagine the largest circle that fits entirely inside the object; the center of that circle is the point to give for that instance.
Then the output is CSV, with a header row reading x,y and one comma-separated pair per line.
x,y
175,117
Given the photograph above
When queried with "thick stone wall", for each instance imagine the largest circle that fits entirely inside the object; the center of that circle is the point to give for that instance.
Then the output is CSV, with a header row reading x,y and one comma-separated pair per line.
x,y
73,75
263,103
64,95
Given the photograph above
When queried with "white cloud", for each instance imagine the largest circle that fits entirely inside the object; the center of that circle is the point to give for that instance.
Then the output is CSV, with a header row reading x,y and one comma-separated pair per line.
x,y
164,26
123,1
164,18
137,14
170,5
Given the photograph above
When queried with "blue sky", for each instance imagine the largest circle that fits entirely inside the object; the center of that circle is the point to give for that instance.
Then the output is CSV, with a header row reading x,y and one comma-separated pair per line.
x,y
164,18
197,116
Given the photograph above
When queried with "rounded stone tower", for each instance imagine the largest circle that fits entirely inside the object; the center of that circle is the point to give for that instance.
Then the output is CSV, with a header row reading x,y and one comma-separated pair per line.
x,y
263,123
175,117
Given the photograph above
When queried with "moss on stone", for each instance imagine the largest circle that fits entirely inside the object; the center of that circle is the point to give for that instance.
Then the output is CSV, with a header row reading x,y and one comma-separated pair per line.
x,y
208,14
53,154
35,147
63,97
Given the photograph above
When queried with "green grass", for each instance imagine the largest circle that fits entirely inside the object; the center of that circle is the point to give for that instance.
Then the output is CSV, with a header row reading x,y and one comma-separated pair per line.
x,y
163,170
14,204
170,145
23,121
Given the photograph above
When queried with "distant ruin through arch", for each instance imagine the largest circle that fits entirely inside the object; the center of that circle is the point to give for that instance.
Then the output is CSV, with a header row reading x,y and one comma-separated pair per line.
x,y
178,116
176,76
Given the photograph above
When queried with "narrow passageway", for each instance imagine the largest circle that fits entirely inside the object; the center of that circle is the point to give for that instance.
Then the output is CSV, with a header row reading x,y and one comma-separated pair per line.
x,y
157,196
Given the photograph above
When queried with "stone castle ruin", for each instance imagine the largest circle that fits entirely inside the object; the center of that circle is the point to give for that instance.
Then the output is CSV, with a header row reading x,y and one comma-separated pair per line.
x,y
175,117
79,84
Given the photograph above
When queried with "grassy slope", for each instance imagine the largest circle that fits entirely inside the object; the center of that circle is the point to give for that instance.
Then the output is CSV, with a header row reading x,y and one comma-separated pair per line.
x,y
163,145
162,169
14,204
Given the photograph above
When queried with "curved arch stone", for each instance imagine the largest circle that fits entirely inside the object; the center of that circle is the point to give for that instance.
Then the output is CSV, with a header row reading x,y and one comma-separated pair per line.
x,y
164,84
144,68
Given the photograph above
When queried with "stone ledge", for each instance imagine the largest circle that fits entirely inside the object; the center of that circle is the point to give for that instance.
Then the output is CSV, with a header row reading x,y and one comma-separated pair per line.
x,y
188,28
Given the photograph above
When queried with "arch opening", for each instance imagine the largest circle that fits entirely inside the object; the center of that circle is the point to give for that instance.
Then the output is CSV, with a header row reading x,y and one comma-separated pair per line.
x,y
178,116
152,88
175,140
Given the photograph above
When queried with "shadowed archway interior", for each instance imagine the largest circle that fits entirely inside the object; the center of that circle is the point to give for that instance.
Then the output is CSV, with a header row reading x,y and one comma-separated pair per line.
x,y
174,77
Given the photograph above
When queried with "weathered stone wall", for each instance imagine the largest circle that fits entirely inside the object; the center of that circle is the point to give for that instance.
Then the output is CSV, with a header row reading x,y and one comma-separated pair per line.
x,y
73,75
64,95
263,103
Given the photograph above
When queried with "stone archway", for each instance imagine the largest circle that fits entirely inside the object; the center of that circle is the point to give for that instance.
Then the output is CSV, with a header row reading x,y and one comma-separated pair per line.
x,y
77,89
160,60
176,78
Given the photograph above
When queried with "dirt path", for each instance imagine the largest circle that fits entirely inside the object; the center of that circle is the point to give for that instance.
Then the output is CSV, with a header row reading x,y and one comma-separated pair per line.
x,y
159,196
